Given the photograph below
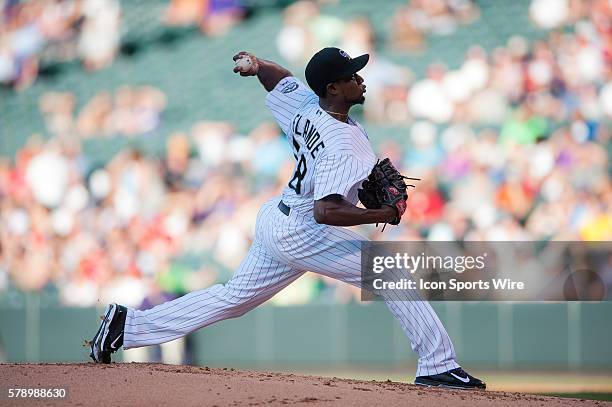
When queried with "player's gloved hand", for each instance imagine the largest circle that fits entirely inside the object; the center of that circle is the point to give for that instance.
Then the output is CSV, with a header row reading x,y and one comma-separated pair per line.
x,y
385,186
248,64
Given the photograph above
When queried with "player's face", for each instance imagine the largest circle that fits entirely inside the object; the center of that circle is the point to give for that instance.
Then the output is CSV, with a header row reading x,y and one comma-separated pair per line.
x,y
353,89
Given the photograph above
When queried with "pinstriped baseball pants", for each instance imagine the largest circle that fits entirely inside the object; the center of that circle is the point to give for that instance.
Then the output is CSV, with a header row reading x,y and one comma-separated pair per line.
x,y
284,248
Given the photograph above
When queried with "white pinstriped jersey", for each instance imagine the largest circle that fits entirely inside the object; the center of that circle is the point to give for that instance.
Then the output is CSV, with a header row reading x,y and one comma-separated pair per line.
x,y
332,157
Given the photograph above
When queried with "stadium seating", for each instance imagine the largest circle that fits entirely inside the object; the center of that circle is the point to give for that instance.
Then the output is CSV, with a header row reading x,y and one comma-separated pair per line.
x,y
195,71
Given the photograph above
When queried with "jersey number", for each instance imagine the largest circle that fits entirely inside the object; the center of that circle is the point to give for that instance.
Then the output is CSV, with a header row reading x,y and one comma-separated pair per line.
x,y
300,173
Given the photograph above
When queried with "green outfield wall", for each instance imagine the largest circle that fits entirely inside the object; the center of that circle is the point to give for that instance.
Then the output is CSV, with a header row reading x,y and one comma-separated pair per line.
x,y
505,335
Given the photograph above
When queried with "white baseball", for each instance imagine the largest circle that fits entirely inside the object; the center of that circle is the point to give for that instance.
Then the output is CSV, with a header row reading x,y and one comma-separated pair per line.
x,y
244,64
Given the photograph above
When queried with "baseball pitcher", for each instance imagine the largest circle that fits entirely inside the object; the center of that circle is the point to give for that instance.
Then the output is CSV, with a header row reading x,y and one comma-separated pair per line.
x,y
302,230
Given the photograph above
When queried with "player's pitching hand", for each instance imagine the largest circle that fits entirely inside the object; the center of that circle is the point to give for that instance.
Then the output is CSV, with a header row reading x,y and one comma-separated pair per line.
x,y
247,64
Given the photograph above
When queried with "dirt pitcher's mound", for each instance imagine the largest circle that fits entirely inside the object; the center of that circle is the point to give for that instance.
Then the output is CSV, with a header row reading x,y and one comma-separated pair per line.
x,y
138,384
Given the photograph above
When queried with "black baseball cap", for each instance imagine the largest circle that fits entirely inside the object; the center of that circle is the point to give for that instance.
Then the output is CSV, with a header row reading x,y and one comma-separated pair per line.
x,y
329,65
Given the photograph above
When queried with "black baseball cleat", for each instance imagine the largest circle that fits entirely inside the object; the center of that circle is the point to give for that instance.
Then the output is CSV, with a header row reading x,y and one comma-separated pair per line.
x,y
109,337
455,379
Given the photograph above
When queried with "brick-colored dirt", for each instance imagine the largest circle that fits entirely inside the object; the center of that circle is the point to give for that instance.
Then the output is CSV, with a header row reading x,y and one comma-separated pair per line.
x,y
146,384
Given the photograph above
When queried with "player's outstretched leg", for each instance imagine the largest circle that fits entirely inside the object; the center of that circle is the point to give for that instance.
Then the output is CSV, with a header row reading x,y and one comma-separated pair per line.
x,y
257,279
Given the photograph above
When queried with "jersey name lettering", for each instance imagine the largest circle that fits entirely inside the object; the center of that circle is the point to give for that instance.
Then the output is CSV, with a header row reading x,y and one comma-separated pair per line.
x,y
311,136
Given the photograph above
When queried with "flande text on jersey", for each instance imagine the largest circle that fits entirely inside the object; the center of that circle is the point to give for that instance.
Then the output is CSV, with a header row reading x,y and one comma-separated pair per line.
x,y
309,133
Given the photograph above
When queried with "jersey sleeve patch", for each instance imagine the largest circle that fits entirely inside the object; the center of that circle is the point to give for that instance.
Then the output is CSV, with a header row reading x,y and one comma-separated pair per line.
x,y
290,87
288,96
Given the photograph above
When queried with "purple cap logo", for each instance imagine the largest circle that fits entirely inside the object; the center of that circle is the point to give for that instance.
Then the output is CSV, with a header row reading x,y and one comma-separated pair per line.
x,y
344,54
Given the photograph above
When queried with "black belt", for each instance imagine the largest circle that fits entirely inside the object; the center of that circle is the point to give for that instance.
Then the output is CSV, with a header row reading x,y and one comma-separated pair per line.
x,y
284,208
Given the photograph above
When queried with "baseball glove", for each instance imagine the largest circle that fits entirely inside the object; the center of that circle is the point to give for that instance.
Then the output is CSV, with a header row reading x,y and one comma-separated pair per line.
x,y
385,186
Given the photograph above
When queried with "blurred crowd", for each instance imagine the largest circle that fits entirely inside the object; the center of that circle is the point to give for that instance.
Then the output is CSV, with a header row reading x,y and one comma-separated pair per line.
x,y
213,17
306,28
88,30
130,111
32,32
127,229
510,146
523,85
